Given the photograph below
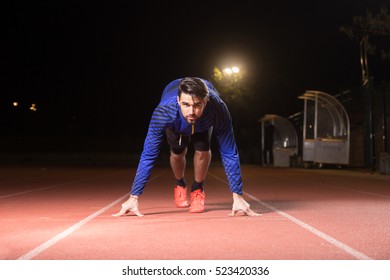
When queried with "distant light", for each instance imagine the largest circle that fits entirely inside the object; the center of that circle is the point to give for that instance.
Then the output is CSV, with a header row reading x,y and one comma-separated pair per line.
x,y
228,71
235,69
33,107
232,70
15,104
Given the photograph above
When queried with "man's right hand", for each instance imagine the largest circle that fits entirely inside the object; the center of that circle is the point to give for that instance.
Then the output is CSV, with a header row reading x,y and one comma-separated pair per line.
x,y
130,205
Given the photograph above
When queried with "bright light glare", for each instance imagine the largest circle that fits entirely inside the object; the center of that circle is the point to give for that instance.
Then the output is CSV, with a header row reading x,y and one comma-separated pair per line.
x,y
232,70
228,71
15,104
235,69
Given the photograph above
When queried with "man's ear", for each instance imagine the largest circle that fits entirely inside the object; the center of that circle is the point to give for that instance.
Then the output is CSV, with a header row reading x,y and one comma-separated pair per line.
x,y
178,100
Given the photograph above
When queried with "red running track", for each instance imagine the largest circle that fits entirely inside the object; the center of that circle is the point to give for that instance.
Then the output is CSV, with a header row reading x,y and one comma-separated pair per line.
x,y
64,213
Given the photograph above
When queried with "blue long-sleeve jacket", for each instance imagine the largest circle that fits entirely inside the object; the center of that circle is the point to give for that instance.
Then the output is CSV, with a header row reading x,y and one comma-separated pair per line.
x,y
168,114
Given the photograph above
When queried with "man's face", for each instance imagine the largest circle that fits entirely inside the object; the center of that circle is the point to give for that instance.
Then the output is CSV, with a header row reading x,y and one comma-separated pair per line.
x,y
191,107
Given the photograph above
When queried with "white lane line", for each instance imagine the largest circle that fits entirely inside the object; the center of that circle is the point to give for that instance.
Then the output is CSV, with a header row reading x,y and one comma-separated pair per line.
x,y
46,245
334,187
351,190
315,231
311,229
54,186
34,190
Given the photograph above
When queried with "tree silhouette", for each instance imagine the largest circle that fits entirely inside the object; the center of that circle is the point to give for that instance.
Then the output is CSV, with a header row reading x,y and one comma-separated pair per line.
x,y
370,32
365,30
231,86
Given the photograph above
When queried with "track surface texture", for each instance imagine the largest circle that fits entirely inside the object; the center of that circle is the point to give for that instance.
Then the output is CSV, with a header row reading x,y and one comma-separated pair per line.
x,y
65,213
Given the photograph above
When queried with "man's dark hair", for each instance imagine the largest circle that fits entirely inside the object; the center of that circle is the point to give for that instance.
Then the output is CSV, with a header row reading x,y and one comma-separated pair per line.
x,y
193,86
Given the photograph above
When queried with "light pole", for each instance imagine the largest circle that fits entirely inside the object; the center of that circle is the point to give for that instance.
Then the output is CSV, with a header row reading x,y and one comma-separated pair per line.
x,y
231,78
230,85
231,81
230,71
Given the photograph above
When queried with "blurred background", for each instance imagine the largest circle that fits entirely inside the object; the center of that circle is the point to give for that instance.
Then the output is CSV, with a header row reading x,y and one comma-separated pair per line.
x,y
80,81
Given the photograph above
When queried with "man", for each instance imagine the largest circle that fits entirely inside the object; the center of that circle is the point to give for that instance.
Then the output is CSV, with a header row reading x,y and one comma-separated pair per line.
x,y
189,110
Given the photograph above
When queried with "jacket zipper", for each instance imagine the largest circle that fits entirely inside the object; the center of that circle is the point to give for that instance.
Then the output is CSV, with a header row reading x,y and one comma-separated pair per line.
x,y
192,132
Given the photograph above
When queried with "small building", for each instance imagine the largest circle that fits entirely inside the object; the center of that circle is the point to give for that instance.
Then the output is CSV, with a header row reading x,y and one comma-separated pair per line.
x,y
279,141
326,130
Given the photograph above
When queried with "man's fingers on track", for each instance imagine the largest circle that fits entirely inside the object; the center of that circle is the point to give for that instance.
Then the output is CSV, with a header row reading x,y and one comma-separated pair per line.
x,y
138,213
251,213
233,213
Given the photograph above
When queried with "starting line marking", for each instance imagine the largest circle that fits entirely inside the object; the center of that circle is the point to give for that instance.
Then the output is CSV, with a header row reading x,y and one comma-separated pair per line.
x,y
46,245
307,227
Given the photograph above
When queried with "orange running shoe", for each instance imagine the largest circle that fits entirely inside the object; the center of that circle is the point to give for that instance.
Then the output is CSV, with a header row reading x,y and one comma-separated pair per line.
x,y
197,201
181,197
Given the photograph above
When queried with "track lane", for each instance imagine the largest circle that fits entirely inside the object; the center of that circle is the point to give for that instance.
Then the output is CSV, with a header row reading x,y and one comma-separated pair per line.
x,y
328,208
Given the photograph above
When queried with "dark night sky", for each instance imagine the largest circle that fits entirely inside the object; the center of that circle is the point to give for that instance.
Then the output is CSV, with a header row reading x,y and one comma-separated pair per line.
x,y
101,69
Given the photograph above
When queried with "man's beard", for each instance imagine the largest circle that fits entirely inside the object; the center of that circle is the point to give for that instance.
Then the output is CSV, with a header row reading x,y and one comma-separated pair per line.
x,y
192,121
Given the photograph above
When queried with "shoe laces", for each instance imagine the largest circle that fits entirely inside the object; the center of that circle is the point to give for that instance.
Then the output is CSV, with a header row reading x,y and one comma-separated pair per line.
x,y
181,192
198,196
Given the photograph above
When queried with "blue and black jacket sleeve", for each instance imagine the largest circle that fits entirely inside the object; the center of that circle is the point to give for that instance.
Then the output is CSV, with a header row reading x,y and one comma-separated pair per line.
x,y
152,145
229,153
